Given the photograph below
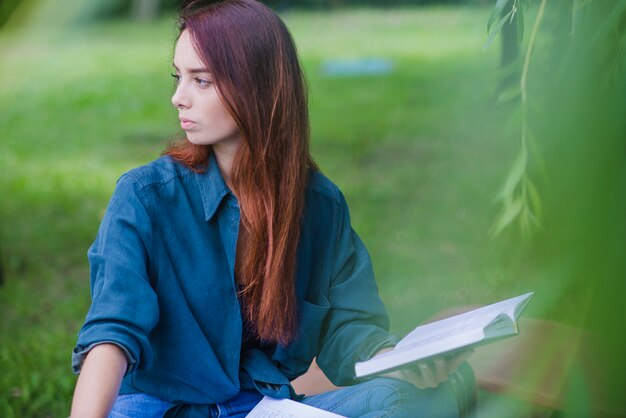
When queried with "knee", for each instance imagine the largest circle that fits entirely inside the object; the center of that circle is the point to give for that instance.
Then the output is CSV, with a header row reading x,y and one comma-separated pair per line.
x,y
403,399
386,393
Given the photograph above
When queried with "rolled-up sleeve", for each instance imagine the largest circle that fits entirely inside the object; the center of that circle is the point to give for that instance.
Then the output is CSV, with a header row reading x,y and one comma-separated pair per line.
x,y
357,324
124,307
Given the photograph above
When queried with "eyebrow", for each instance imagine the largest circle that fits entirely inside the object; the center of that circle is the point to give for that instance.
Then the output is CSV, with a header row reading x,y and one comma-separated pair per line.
x,y
194,70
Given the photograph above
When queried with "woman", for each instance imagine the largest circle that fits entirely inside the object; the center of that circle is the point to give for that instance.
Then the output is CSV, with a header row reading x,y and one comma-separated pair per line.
x,y
223,268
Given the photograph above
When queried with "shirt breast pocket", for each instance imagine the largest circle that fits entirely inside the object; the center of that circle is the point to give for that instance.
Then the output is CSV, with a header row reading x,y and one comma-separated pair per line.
x,y
311,328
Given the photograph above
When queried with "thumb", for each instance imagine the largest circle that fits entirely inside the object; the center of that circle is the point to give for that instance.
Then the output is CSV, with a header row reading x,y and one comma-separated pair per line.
x,y
455,362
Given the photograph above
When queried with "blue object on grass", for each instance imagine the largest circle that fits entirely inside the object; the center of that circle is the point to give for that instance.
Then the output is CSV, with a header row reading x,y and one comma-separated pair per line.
x,y
351,67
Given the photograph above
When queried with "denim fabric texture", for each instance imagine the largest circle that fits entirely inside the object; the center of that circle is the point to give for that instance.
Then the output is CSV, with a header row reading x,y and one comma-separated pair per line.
x,y
377,398
162,284
139,405
387,398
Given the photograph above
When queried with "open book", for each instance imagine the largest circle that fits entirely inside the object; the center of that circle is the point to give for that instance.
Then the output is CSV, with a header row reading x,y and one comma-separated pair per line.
x,y
285,408
450,335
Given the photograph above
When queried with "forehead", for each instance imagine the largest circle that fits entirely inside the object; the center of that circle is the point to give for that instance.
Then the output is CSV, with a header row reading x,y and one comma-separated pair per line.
x,y
185,55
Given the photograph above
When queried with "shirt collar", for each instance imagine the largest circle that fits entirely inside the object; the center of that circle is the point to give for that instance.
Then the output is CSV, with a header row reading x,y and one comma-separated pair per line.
x,y
213,188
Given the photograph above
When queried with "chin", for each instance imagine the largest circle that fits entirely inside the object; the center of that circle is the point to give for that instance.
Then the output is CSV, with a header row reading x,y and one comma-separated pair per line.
x,y
198,141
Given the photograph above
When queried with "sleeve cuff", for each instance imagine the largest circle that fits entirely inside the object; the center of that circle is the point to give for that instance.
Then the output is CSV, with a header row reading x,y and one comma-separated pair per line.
x,y
80,353
367,350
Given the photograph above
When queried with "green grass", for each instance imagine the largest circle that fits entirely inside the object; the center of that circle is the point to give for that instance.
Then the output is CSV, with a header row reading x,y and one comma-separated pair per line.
x,y
419,155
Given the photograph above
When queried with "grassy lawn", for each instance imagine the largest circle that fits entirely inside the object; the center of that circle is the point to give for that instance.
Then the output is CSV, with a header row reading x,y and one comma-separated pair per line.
x,y
418,153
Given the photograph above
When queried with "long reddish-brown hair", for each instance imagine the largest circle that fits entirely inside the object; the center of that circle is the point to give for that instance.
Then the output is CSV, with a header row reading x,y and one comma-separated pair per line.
x,y
254,63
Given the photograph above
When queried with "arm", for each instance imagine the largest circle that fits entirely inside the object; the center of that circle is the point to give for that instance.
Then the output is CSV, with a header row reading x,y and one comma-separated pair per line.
x,y
99,381
124,310
357,325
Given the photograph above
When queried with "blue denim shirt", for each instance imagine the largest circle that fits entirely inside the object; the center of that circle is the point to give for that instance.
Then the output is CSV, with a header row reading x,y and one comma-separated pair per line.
x,y
163,289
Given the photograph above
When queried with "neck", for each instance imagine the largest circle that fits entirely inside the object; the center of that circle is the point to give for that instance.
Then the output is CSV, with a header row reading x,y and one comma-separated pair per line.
x,y
225,155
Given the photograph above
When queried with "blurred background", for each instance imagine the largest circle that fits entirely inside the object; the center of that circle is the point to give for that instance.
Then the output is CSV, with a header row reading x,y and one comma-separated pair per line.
x,y
481,146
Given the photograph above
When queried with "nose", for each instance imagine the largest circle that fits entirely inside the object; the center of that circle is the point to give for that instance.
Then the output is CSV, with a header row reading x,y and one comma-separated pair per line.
x,y
180,99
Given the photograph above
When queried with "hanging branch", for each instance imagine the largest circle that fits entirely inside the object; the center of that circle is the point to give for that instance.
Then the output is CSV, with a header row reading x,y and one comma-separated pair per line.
x,y
519,195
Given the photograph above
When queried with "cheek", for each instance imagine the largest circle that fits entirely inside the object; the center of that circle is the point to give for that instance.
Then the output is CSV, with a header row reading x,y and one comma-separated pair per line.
x,y
223,118
215,116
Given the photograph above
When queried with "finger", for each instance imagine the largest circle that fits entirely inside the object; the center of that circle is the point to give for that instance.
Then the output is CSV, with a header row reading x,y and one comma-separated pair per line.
x,y
414,377
419,382
441,370
427,375
456,361
408,375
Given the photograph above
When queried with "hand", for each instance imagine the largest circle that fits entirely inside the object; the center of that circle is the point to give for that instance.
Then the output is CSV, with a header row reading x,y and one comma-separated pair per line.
x,y
431,372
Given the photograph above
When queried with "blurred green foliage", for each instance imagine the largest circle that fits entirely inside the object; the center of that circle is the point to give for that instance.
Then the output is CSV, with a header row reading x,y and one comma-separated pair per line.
x,y
6,9
568,111
324,4
107,9
104,9
420,155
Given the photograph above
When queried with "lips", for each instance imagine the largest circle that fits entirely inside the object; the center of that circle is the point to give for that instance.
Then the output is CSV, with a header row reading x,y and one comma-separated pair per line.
x,y
186,123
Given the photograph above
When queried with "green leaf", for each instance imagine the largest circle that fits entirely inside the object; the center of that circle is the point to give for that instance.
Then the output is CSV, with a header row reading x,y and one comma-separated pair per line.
x,y
497,12
536,154
520,25
515,175
509,94
508,216
535,198
528,222
497,29
534,219
524,223
492,18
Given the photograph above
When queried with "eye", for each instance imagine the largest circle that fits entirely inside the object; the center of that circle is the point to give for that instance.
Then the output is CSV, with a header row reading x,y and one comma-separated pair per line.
x,y
202,82
176,78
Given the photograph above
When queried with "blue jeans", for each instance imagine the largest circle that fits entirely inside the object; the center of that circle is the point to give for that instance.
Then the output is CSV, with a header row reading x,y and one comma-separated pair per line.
x,y
377,398
387,398
141,405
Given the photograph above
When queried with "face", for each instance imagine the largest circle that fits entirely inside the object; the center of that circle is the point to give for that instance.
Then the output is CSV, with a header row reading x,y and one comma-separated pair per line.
x,y
202,113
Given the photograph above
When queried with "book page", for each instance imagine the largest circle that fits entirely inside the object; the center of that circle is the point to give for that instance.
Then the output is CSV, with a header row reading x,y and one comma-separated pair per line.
x,y
477,319
414,352
286,408
465,330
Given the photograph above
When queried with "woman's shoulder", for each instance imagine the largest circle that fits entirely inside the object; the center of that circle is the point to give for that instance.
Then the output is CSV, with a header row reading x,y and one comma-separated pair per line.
x,y
160,171
321,186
